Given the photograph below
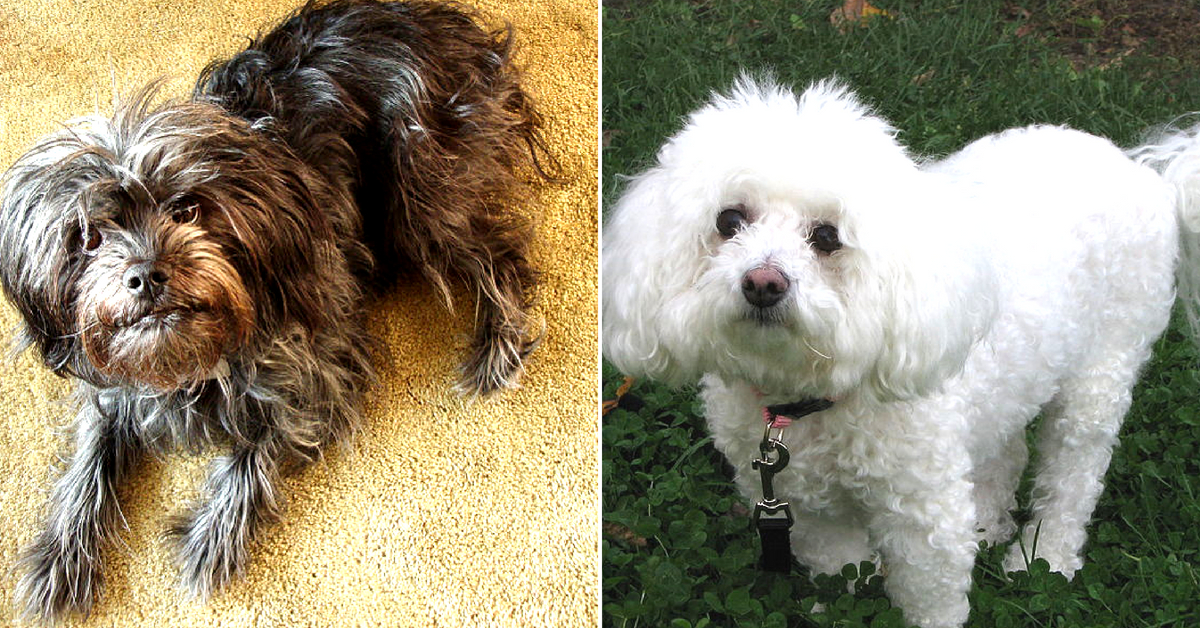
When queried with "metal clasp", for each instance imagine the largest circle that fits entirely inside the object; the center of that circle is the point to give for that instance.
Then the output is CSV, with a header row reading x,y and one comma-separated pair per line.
x,y
773,458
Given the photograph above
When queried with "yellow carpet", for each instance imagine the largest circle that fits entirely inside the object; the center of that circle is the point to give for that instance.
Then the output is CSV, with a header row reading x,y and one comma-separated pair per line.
x,y
445,512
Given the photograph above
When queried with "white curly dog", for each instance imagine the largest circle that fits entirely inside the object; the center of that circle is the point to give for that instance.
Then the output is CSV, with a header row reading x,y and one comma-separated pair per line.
x,y
789,248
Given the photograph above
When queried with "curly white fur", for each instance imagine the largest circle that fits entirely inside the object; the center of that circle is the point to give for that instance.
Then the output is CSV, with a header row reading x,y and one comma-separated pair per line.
x,y
1030,272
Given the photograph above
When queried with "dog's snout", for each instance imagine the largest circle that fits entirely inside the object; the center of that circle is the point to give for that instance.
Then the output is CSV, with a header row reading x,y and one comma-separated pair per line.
x,y
764,286
146,280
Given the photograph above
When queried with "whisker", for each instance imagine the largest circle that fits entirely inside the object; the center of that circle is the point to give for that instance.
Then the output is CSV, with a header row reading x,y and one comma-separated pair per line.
x,y
814,350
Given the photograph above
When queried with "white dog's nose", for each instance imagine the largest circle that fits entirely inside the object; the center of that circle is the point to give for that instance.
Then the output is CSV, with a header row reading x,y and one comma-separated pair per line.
x,y
764,286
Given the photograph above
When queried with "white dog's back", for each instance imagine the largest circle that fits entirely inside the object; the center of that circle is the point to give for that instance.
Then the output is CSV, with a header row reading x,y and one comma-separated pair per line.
x,y
1085,244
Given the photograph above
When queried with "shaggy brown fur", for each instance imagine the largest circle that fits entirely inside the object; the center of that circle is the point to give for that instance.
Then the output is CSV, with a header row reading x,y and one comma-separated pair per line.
x,y
430,136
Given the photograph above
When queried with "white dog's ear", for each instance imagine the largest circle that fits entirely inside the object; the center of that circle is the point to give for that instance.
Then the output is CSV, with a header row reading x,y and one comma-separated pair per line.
x,y
934,298
647,263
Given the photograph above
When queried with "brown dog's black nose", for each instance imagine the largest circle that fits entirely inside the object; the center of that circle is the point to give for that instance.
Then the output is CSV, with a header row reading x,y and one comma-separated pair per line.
x,y
146,280
764,286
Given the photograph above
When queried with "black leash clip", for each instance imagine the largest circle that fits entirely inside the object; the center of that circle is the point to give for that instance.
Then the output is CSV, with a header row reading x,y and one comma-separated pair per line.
x,y
773,530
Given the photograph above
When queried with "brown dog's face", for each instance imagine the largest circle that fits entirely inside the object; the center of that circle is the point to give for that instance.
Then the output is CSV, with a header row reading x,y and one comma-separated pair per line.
x,y
143,249
158,301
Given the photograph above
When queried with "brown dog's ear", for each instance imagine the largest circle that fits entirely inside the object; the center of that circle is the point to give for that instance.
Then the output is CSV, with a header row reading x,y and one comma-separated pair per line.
x,y
40,199
55,343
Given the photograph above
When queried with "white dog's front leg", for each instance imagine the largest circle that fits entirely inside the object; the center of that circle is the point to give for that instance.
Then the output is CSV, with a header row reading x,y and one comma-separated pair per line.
x,y
927,543
825,544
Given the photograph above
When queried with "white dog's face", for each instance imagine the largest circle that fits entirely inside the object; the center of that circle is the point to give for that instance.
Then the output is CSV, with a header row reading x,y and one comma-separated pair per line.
x,y
792,243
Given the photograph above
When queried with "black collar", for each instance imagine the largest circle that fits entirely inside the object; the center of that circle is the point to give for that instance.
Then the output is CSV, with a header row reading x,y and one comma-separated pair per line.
x,y
798,409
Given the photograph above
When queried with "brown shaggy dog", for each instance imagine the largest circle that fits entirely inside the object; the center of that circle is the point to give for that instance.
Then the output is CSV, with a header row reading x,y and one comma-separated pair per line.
x,y
200,266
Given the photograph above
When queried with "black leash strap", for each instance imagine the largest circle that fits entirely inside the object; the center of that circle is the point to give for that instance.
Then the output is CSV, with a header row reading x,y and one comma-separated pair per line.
x,y
772,517
776,555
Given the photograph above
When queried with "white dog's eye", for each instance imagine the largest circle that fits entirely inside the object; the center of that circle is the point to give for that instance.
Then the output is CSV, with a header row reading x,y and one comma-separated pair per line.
x,y
731,221
824,238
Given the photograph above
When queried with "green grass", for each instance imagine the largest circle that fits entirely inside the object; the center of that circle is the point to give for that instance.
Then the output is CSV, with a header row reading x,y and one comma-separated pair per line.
x,y
678,550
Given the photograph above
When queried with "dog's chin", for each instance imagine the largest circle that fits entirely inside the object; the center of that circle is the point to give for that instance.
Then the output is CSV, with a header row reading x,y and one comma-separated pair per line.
x,y
782,353
776,318
166,350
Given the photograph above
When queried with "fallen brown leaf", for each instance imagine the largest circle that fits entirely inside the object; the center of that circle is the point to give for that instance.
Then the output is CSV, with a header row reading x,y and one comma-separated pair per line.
x,y
609,404
855,13
623,533
606,137
923,77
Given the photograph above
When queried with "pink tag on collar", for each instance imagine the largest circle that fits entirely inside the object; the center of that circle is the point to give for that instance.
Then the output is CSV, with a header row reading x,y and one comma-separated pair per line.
x,y
782,415
775,420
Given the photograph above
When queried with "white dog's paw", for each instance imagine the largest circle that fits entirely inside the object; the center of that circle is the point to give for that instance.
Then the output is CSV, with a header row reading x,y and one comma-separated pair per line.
x,y
996,531
1018,558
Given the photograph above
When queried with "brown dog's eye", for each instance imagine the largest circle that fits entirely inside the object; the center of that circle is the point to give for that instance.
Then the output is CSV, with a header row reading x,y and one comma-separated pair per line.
x,y
185,214
92,240
731,221
824,238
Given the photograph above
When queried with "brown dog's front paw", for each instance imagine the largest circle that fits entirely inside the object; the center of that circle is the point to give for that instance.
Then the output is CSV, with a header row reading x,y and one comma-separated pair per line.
x,y
60,577
208,553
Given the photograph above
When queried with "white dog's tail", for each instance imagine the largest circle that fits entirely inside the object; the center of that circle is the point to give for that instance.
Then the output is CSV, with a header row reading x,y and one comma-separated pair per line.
x,y
1175,153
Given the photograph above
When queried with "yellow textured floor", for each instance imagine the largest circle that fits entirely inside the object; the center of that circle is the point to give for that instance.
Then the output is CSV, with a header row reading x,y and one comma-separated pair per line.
x,y
445,513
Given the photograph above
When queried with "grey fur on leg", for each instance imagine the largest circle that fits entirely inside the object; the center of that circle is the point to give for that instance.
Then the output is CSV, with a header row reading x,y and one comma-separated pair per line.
x,y
212,539
62,565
